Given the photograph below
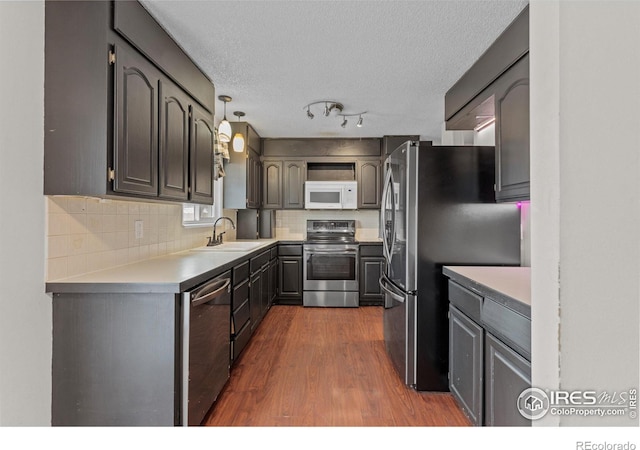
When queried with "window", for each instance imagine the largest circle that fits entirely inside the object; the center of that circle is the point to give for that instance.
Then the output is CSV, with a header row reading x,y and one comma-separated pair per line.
x,y
203,215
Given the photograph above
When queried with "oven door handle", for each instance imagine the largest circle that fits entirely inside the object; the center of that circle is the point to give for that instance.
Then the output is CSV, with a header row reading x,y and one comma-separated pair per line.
x,y
332,252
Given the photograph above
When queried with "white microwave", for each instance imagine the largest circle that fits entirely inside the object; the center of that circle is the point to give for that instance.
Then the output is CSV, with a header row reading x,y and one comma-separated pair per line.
x,y
331,195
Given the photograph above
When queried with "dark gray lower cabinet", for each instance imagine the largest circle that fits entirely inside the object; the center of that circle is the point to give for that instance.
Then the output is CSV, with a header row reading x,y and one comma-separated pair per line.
x,y
116,361
507,374
290,274
240,310
371,268
466,364
255,299
487,374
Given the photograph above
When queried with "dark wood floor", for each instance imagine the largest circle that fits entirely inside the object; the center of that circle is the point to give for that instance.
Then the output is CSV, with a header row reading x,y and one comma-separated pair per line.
x,y
324,367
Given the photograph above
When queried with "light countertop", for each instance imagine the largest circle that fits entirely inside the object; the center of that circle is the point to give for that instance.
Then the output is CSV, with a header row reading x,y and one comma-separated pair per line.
x,y
173,273
500,283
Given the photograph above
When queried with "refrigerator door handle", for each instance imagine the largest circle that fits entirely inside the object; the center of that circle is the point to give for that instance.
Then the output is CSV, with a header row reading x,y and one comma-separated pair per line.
x,y
388,188
394,295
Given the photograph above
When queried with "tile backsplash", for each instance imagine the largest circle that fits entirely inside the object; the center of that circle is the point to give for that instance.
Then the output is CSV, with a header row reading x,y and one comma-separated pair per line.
x,y
89,234
292,224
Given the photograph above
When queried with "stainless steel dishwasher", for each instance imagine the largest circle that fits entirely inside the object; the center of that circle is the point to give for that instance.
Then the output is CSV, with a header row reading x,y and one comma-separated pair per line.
x,y
205,346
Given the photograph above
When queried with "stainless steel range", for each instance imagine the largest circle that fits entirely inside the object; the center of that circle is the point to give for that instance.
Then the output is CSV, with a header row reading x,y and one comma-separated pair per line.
x,y
330,268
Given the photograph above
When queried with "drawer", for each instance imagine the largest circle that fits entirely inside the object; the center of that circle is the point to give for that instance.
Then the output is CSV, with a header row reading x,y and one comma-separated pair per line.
x,y
240,294
273,253
240,317
290,250
259,261
240,273
510,326
371,250
465,300
240,340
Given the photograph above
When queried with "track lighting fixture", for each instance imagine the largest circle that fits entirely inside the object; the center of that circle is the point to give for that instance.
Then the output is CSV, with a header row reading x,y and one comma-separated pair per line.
x,y
224,129
358,123
238,138
330,105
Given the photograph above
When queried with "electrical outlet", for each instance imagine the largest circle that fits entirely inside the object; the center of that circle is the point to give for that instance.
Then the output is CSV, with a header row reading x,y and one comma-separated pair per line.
x,y
139,229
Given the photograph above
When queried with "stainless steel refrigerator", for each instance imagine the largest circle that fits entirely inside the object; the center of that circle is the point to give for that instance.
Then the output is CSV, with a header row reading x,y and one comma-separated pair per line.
x,y
438,209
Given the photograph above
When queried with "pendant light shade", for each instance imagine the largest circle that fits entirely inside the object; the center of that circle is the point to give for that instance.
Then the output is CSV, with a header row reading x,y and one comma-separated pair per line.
x,y
238,138
224,129
238,143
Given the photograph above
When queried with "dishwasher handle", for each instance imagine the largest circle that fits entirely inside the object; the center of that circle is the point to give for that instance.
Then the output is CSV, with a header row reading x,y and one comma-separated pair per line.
x,y
211,291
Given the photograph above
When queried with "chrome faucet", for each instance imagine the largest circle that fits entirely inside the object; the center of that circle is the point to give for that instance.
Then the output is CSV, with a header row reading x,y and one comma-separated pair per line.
x,y
217,240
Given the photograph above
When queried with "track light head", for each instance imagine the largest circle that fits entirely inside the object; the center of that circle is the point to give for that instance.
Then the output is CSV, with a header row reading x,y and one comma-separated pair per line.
x,y
344,123
359,123
309,113
327,111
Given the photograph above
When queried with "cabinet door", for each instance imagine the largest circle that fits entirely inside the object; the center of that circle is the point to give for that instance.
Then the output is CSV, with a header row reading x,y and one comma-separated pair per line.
x,y
255,299
273,280
174,142
290,278
293,191
136,124
368,184
371,269
507,374
272,180
253,180
265,294
512,133
466,363
201,181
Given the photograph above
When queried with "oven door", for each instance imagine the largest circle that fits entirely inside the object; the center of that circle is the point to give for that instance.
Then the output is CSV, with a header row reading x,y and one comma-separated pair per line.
x,y
330,267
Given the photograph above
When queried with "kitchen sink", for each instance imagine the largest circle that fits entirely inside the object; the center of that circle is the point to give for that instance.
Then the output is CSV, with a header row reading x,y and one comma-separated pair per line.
x,y
230,247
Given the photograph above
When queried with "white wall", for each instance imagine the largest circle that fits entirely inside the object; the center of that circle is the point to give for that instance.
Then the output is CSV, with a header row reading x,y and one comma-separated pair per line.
x,y
585,148
25,310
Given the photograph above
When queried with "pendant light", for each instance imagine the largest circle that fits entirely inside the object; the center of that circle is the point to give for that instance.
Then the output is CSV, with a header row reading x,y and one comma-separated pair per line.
x,y
224,129
238,138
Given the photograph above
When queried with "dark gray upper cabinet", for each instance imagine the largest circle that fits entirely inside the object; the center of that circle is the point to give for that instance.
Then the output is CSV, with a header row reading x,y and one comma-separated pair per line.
x,y
272,181
243,171
512,133
462,103
108,126
202,136
136,124
283,184
132,21
174,142
369,177
293,186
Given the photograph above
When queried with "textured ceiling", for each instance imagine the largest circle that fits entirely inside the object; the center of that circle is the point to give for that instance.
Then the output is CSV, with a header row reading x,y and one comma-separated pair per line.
x,y
394,59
